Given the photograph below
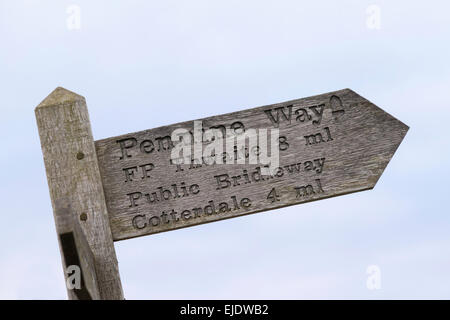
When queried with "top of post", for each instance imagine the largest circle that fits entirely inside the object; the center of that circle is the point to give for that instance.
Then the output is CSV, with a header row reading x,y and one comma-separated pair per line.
x,y
59,96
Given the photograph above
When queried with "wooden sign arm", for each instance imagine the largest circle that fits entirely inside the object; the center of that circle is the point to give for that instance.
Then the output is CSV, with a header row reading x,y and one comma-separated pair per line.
x,y
76,189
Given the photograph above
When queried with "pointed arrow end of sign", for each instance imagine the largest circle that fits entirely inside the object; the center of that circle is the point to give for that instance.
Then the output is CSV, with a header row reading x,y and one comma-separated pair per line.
x,y
397,136
384,135
59,96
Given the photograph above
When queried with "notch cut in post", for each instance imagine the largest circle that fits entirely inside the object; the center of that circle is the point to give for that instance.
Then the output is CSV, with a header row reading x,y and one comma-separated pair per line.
x,y
79,261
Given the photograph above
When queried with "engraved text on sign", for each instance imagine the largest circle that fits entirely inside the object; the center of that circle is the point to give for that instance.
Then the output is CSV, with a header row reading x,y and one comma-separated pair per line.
x,y
328,145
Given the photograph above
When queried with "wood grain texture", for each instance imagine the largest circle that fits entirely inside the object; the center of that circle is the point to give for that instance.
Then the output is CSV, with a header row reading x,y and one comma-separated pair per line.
x,y
339,143
75,184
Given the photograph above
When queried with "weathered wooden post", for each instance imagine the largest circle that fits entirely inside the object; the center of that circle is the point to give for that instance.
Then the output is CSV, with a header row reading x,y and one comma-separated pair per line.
x,y
77,194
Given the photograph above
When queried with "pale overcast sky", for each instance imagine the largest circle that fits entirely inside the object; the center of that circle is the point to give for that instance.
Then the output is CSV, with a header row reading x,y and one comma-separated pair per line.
x,y
144,64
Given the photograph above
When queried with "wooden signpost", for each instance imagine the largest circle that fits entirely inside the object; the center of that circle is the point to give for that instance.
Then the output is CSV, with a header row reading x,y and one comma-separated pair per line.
x,y
211,169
